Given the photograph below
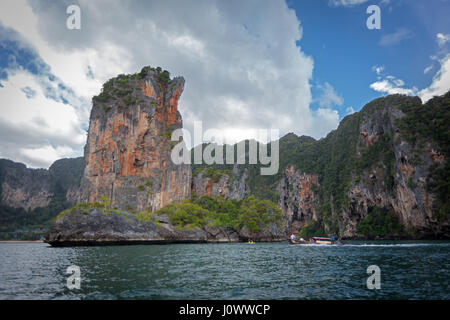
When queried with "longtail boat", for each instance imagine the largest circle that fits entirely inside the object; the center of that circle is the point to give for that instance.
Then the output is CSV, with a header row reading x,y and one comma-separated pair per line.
x,y
313,240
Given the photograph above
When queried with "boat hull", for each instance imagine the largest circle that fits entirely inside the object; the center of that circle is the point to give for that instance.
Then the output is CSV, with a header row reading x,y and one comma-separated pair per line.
x,y
297,241
323,242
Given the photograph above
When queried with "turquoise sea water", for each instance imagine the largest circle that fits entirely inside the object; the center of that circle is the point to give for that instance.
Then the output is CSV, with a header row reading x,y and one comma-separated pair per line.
x,y
409,270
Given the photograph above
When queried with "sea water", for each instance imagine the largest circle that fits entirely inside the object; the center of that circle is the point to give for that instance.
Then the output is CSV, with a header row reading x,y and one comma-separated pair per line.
x,y
408,270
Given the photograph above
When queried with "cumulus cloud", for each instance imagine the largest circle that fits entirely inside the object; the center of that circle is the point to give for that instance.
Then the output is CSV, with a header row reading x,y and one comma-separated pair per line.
x,y
442,39
392,86
36,131
325,118
240,60
41,119
440,83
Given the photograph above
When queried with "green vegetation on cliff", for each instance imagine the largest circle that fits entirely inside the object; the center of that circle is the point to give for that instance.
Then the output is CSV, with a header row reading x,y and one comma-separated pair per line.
x,y
103,205
212,173
218,212
123,88
331,158
379,223
314,229
205,211
343,159
381,152
431,123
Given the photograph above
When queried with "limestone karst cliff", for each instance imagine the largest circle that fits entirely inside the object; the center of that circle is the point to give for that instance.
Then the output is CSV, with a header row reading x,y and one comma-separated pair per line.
x,y
220,183
29,198
383,173
297,199
24,188
392,170
30,189
128,146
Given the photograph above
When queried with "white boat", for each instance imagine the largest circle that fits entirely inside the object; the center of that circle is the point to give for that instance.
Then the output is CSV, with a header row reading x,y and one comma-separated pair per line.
x,y
313,240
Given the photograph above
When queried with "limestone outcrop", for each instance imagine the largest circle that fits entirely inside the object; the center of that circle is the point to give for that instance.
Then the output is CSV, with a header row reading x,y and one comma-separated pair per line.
x,y
225,183
297,199
100,226
399,183
31,189
128,149
383,173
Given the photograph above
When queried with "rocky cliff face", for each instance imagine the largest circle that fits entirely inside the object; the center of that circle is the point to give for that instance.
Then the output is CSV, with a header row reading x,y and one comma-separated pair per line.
x,y
382,174
397,178
397,153
225,183
24,188
29,198
66,179
29,189
297,199
103,227
128,148
129,176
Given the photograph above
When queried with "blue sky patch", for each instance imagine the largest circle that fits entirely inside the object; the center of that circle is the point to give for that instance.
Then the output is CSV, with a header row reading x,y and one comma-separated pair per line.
x,y
29,93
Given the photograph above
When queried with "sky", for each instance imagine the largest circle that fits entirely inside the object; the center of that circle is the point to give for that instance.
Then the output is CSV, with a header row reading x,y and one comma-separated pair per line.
x,y
296,66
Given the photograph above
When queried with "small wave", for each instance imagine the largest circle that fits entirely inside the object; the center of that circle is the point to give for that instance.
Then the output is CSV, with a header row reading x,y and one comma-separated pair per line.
x,y
390,245
397,245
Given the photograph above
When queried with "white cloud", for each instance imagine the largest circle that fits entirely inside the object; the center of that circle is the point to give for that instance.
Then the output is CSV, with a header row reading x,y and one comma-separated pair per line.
x,y
378,69
428,69
240,60
390,87
325,118
352,3
395,37
350,110
439,85
345,3
398,82
442,39
329,97
36,131
70,65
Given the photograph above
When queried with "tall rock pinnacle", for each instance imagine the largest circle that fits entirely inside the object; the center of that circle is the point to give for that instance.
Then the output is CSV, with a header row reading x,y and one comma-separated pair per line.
x,y
128,147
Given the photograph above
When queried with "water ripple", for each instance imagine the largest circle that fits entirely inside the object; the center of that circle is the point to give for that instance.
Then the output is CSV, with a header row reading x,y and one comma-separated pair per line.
x,y
409,270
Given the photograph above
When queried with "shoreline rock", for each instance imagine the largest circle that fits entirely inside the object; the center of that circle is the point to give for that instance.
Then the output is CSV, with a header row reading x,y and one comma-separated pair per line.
x,y
96,227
